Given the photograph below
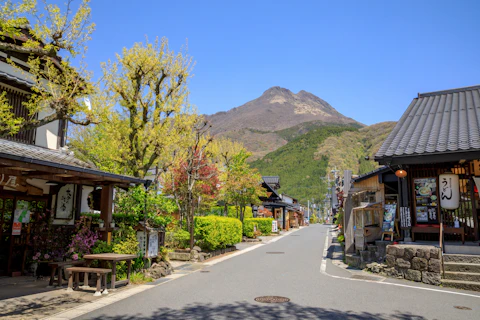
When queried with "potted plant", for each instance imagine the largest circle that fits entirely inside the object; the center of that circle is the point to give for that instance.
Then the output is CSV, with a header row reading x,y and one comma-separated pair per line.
x,y
101,223
112,224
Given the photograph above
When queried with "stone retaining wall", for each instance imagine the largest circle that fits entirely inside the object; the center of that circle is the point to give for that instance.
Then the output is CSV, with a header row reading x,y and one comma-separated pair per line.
x,y
412,262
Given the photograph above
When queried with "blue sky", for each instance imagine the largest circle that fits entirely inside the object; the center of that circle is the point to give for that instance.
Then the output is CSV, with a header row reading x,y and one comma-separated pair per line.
x,y
368,59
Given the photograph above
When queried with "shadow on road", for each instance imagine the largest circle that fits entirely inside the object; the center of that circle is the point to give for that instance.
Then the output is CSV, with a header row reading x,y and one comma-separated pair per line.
x,y
244,310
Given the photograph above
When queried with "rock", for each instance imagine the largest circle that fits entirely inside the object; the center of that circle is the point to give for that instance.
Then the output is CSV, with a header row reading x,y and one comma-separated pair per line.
x,y
391,250
419,264
375,267
431,278
197,248
435,253
201,258
403,264
434,265
409,253
391,272
413,275
423,253
390,260
156,272
400,252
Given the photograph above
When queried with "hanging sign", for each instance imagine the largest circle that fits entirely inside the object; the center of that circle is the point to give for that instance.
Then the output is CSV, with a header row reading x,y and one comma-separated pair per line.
x,y
405,218
449,191
20,215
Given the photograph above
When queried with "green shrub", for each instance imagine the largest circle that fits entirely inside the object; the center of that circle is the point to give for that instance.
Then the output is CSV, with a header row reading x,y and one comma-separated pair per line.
x,y
177,238
231,211
102,247
264,225
213,232
341,238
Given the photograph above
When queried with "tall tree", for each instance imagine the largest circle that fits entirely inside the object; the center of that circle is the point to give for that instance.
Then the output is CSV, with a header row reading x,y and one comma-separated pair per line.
x,y
148,85
47,47
195,177
241,184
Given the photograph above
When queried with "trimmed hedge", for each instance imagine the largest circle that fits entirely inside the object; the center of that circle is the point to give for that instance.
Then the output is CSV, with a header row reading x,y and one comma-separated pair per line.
x,y
213,232
264,225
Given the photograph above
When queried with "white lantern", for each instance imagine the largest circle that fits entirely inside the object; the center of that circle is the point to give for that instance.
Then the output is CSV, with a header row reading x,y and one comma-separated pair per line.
x,y
449,191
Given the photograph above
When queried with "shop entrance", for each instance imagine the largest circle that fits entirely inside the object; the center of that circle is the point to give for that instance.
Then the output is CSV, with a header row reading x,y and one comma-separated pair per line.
x,y
14,248
6,216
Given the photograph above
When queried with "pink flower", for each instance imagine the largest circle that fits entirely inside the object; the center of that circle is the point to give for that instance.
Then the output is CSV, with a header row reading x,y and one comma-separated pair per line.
x,y
35,258
46,256
75,257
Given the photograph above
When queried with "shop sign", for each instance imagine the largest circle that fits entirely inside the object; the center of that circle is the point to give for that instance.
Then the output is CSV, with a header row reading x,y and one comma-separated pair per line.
x,y
405,218
153,244
426,200
8,181
21,215
389,217
274,226
449,191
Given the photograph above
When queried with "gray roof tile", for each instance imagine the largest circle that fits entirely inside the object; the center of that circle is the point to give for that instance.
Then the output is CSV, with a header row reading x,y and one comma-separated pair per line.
x,y
434,122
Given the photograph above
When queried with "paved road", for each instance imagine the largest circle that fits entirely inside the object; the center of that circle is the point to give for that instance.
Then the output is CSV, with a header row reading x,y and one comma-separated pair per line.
x,y
229,289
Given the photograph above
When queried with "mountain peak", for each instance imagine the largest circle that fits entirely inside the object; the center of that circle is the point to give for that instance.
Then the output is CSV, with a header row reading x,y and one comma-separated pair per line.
x,y
276,90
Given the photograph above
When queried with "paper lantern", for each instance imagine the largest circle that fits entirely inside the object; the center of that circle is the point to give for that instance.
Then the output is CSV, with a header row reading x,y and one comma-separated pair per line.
x,y
449,191
401,173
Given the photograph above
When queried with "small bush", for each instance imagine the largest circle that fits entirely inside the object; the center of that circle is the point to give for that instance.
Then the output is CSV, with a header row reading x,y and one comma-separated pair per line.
x,y
264,225
341,238
177,238
213,232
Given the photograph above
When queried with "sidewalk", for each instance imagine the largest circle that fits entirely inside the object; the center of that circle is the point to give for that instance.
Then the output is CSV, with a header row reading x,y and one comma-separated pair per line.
x,y
53,303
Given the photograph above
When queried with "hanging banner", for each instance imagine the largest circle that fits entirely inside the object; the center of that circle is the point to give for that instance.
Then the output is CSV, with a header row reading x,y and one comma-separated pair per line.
x,y
405,218
449,191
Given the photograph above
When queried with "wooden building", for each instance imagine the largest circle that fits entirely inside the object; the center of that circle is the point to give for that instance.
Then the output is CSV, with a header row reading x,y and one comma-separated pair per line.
x,y
438,134
39,176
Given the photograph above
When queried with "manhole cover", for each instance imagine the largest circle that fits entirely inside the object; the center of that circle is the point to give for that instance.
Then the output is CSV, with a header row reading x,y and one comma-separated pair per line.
x,y
462,308
275,252
204,271
271,299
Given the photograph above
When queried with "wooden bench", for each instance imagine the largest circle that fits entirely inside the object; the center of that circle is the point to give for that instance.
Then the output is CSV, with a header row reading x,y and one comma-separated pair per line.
x,y
59,268
101,275
436,229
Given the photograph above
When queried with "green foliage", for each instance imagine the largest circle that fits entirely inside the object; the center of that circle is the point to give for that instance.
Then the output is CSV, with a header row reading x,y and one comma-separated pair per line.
x,y
163,253
177,238
299,168
214,232
341,238
102,247
231,212
291,133
313,219
125,241
139,278
264,226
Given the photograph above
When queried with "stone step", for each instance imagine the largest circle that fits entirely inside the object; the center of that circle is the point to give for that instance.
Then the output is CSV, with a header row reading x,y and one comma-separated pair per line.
x,y
462,276
458,284
462,267
464,258
372,248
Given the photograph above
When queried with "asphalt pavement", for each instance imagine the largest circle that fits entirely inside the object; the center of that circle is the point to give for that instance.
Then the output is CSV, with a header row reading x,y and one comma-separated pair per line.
x,y
291,268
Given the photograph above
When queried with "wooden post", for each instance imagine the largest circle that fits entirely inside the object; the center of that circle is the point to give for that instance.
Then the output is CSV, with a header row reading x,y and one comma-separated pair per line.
x,y
106,208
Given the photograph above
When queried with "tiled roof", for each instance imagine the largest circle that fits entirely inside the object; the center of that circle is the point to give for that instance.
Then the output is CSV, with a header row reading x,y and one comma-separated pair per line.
x,y
271,179
436,122
39,153
371,174
55,158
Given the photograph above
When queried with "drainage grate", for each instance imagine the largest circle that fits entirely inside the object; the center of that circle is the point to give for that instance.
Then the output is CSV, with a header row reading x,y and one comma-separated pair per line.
x,y
462,308
275,252
365,277
295,235
204,271
272,299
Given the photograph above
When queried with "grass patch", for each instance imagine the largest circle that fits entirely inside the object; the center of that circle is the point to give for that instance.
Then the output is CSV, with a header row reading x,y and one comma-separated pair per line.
x,y
139,278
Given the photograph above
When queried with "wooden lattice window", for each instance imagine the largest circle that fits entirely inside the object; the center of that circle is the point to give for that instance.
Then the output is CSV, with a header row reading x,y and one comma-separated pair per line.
x,y
16,99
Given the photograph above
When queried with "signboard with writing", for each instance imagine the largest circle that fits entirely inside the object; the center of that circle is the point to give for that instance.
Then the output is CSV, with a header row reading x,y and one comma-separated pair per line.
x,y
405,218
389,217
426,200
152,244
274,226
65,200
20,215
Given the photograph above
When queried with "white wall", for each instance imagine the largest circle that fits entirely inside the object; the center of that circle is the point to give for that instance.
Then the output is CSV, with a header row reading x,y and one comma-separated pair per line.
x,y
47,136
84,199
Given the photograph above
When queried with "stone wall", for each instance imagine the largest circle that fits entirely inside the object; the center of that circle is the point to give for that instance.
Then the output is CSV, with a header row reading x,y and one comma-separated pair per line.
x,y
412,262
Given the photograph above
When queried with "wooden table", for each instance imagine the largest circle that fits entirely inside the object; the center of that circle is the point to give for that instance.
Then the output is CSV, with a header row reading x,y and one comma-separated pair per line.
x,y
113,258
